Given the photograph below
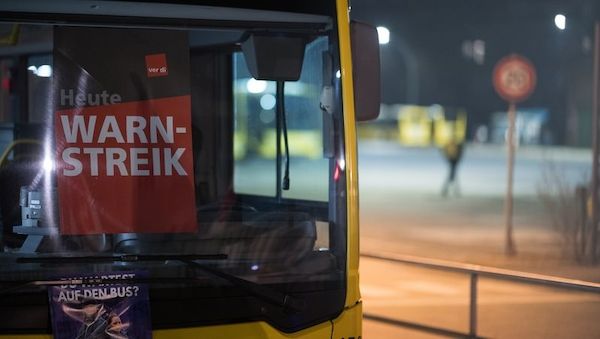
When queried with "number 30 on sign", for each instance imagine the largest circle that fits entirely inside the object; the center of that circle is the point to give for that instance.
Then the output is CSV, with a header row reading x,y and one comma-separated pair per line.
x,y
514,78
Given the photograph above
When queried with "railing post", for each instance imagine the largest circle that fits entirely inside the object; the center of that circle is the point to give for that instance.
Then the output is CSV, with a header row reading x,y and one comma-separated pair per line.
x,y
473,306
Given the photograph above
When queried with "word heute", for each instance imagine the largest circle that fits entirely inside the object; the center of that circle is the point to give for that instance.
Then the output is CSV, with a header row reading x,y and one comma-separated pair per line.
x,y
123,161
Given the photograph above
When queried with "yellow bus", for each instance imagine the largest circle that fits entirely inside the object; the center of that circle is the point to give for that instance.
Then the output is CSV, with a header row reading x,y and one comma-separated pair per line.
x,y
125,209
423,126
304,136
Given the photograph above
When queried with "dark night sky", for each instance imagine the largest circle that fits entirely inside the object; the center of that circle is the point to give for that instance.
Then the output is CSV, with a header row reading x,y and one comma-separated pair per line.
x,y
428,35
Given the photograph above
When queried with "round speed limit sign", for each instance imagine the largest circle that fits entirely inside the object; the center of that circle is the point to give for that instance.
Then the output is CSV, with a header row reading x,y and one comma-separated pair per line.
x,y
514,78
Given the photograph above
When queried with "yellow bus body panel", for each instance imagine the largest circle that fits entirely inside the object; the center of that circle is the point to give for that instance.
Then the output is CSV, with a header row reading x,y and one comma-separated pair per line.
x,y
253,330
351,161
348,324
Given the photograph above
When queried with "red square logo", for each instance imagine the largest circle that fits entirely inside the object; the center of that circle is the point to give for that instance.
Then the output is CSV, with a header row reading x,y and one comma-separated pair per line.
x,y
156,65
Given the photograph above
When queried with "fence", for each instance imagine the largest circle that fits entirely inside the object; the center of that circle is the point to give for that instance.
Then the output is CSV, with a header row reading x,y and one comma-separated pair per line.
x,y
474,271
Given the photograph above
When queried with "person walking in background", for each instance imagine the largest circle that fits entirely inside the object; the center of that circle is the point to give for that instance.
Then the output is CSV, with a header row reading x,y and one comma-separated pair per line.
x,y
452,150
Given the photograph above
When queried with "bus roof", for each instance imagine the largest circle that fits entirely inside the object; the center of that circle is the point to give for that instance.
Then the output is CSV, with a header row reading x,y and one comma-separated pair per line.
x,y
185,13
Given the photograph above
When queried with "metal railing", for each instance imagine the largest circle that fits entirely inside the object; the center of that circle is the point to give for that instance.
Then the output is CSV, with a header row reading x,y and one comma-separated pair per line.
x,y
474,271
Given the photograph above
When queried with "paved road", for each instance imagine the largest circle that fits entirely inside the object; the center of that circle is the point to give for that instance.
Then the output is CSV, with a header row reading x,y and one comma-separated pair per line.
x,y
482,171
440,299
402,212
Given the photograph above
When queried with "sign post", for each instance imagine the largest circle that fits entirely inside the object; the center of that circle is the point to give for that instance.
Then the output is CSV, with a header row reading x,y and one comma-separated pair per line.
x,y
595,143
514,79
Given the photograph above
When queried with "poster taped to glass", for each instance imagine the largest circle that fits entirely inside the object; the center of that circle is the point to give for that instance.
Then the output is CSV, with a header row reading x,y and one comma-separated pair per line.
x,y
100,311
123,131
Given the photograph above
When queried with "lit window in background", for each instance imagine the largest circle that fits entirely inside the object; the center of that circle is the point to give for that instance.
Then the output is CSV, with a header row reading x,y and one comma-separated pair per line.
x,y
479,51
475,50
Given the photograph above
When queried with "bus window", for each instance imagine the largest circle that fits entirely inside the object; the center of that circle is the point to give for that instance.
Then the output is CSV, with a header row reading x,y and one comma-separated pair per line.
x,y
255,130
291,245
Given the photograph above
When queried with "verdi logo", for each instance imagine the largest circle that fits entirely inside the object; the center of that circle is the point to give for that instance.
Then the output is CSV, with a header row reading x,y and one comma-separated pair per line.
x,y
156,65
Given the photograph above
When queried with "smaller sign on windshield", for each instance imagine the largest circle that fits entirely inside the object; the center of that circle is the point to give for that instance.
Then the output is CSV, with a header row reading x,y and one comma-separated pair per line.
x,y
119,310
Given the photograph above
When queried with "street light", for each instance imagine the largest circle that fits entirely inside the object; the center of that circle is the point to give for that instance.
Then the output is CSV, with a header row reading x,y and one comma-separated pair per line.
x,y
560,21
384,35
407,57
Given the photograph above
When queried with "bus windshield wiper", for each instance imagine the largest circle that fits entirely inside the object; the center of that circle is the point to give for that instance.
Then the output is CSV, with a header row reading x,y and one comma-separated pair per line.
x,y
90,259
19,285
270,295
117,258
287,302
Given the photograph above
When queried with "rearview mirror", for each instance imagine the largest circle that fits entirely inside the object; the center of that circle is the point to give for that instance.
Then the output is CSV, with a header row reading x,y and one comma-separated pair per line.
x,y
274,57
365,70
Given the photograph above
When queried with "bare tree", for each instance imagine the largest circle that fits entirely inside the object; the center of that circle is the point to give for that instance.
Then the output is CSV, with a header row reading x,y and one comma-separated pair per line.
x,y
567,207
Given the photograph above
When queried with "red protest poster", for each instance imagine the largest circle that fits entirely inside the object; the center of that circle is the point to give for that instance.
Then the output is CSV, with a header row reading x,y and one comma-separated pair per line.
x,y
123,139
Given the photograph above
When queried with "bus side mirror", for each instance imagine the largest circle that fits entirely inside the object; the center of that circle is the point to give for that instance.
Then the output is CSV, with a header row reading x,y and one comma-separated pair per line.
x,y
365,70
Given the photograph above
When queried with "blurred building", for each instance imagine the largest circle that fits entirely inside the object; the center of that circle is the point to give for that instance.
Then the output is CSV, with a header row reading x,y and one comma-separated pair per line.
x,y
444,52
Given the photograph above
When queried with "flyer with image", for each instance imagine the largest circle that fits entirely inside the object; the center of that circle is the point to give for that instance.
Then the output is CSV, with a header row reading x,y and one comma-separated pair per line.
x,y
101,311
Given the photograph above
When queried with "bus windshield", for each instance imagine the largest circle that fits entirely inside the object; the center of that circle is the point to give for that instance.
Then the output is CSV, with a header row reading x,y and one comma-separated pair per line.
x,y
153,149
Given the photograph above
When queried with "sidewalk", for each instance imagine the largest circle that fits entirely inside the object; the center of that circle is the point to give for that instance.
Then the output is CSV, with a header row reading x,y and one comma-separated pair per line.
x,y
471,231
402,211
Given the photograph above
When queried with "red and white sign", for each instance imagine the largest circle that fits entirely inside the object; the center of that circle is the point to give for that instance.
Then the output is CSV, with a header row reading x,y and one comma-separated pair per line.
x,y
514,78
123,131
125,167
